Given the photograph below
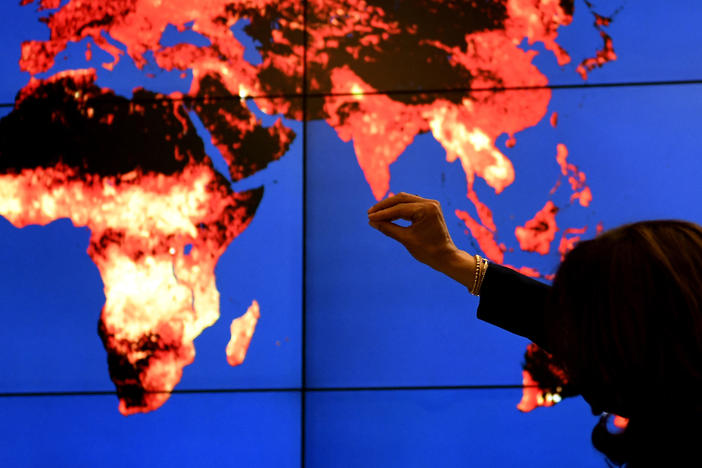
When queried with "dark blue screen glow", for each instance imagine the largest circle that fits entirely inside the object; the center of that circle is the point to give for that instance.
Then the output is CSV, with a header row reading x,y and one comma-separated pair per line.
x,y
347,317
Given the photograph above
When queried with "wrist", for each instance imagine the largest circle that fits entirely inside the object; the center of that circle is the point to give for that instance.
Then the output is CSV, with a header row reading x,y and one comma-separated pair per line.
x,y
460,266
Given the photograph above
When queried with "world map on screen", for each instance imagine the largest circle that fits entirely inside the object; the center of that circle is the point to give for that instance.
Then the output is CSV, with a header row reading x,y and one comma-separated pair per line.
x,y
134,171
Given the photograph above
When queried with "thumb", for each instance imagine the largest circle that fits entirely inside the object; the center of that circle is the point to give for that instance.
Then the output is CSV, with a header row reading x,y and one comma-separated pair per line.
x,y
391,230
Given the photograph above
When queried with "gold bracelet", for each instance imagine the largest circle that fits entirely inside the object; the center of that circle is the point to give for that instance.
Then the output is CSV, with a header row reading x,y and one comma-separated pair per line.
x,y
478,267
483,270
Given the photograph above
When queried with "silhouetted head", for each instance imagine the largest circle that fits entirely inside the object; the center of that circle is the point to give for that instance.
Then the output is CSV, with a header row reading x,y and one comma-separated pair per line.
x,y
627,310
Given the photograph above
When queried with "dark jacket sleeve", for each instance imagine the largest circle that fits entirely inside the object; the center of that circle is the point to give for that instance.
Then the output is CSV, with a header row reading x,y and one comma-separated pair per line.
x,y
515,303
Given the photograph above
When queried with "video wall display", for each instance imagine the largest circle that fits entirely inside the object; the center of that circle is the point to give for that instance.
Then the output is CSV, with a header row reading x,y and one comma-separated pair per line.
x,y
183,197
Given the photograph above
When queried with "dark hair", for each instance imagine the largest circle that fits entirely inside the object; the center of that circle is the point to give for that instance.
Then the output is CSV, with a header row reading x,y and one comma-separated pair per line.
x,y
626,324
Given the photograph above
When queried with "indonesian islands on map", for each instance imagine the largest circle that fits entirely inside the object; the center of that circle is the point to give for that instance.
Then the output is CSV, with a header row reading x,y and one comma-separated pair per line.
x,y
133,170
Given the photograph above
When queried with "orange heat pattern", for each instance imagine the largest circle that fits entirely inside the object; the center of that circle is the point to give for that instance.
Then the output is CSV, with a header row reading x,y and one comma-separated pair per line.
x,y
156,237
158,298
467,125
545,383
568,241
242,330
576,177
380,127
620,422
538,233
533,396
602,56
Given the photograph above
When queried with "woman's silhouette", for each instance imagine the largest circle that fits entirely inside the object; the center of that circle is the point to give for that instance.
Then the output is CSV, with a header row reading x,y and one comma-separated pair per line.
x,y
623,318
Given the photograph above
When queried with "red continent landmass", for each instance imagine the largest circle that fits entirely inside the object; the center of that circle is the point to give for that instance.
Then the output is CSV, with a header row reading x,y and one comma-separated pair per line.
x,y
157,266
537,234
158,222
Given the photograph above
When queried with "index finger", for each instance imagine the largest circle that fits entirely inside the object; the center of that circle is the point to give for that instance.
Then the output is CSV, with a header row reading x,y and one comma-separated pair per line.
x,y
401,197
406,211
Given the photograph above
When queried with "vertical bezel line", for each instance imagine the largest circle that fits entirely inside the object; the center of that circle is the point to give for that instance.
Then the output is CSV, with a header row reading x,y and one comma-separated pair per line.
x,y
303,364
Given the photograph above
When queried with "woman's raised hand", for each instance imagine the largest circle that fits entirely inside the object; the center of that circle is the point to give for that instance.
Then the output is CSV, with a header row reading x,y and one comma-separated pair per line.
x,y
426,238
